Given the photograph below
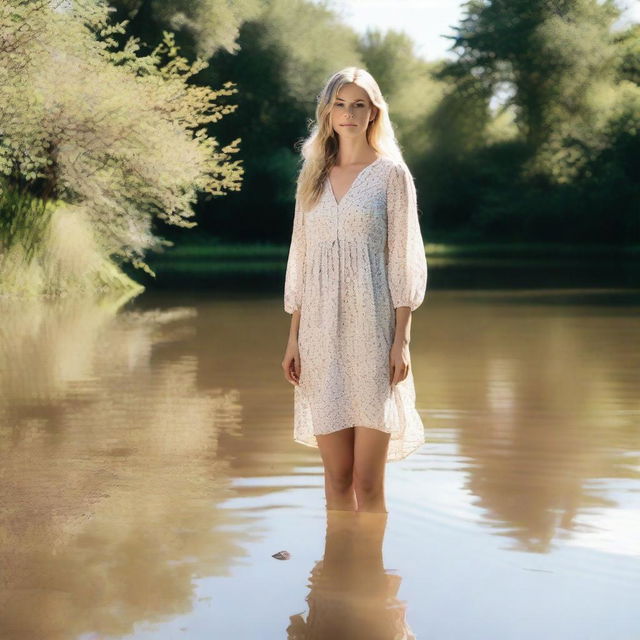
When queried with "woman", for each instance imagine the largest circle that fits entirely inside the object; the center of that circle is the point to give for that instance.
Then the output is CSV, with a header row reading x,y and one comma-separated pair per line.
x,y
356,270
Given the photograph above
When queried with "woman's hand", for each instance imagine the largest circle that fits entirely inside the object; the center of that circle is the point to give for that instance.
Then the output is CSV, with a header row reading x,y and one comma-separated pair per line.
x,y
291,362
399,362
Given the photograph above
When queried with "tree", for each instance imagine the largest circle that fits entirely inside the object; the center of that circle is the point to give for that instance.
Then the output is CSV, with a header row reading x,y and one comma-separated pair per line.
x,y
409,85
113,140
201,27
553,53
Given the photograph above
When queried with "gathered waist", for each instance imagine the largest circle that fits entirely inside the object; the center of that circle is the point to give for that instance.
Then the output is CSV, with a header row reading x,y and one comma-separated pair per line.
x,y
373,246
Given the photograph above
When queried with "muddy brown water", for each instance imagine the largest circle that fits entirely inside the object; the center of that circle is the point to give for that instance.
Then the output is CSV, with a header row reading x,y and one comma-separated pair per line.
x,y
148,475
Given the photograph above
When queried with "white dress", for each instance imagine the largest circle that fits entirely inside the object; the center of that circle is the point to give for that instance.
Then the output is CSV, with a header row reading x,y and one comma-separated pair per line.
x,y
350,265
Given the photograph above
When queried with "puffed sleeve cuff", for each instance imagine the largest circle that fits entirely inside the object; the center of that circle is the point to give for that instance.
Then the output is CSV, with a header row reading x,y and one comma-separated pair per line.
x,y
413,304
291,307
407,262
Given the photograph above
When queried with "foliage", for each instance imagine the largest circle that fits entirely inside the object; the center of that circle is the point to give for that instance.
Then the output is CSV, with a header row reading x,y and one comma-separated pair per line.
x,y
24,219
120,136
202,27
567,77
627,45
409,85
553,52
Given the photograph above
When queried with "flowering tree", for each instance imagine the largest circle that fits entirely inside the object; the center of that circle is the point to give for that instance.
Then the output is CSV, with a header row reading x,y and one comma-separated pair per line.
x,y
97,140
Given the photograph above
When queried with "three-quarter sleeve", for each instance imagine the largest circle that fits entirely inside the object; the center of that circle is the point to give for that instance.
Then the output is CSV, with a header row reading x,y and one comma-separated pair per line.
x,y
294,276
407,262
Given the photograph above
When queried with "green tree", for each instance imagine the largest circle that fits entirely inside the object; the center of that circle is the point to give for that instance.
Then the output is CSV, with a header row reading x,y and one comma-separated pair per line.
x,y
409,85
109,140
568,80
201,27
551,54
628,53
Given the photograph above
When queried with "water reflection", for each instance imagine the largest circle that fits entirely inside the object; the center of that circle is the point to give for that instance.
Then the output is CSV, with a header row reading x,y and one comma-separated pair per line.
x,y
536,394
110,470
148,473
351,596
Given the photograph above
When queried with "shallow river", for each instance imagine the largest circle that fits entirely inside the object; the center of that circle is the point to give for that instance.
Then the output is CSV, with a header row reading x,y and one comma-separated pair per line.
x,y
148,475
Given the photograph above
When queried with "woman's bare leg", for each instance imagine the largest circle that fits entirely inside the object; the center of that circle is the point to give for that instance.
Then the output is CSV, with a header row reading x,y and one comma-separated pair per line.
x,y
370,457
336,450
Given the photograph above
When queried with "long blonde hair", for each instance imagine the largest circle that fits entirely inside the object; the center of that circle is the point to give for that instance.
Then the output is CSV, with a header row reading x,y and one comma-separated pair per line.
x,y
319,151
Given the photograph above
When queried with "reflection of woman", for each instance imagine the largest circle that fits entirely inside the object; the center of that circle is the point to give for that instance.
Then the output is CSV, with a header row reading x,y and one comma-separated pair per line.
x,y
351,596
355,272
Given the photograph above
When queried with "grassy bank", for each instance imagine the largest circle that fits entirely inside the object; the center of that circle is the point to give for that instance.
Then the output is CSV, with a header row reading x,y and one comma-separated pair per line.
x,y
207,261
271,253
211,265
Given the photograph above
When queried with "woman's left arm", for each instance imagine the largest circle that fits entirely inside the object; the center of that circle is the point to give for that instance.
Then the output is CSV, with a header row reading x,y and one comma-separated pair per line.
x,y
407,263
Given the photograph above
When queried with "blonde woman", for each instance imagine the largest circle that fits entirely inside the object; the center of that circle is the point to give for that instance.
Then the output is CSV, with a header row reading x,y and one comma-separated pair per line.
x,y
356,271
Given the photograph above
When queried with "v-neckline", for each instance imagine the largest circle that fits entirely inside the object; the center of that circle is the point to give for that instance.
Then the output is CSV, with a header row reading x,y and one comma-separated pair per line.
x,y
346,193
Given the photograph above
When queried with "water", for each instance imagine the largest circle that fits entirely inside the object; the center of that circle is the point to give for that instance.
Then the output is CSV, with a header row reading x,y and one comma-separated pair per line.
x,y
148,474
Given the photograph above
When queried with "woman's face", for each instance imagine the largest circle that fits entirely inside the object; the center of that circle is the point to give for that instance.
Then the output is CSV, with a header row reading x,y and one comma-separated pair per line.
x,y
351,111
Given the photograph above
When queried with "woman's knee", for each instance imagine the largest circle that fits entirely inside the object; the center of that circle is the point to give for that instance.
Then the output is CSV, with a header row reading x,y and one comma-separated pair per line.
x,y
337,456
340,480
366,484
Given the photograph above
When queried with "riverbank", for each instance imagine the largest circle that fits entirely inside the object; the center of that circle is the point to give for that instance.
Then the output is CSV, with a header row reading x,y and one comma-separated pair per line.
x,y
232,268
213,257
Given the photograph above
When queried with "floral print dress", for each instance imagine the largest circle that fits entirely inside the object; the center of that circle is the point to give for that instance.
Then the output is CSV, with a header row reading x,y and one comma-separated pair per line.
x,y
350,264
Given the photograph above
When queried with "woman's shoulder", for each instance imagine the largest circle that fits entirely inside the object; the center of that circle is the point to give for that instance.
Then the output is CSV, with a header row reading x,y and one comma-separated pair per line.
x,y
396,167
393,162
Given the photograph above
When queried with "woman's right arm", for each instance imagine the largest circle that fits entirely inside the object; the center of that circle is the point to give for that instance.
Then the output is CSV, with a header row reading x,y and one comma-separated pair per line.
x,y
295,264
293,286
